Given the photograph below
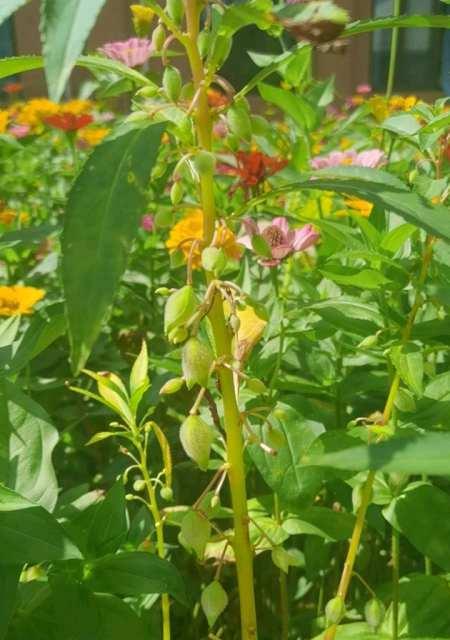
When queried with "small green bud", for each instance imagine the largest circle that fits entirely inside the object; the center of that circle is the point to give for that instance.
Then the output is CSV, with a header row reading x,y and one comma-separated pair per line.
x,y
204,162
129,497
158,37
139,485
180,306
239,121
164,218
197,437
197,360
215,501
214,601
172,83
171,386
335,610
175,10
368,342
178,335
176,192
147,92
166,494
137,116
204,43
163,291
256,385
276,438
214,259
374,612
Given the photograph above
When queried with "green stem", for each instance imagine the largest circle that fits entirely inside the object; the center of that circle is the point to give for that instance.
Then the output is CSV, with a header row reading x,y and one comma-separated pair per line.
x,y
282,579
395,553
394,51
232,419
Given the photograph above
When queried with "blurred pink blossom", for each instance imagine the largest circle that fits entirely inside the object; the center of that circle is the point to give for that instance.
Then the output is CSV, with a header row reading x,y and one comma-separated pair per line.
x,y
371,158
148,222
19,130
363,89
132,52
281,240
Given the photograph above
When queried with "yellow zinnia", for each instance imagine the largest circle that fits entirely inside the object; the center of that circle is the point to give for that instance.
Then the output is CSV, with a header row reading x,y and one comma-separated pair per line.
x,y
359,206
77,107
18,300
34,112
142,18
190,229
92,137
4,118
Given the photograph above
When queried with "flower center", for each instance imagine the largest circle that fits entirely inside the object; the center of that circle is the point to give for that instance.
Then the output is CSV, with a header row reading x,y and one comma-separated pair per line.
x,y
273,236
9,305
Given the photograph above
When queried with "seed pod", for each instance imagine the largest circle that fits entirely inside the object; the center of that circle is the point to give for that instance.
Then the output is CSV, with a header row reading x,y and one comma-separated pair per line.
x,y
175,10
196,437
178,335
180,306
139,485
335,610
204,43
171,386
195,532
239,121
219,51
172,83
374,612
204,162
158,37
214,601
162,291
197,360
256,385
176,192
166,494
147,92
214,259
368,342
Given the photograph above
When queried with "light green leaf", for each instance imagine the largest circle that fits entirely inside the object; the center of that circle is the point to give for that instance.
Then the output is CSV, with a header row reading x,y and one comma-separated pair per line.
x,y
408,361
8,7
298,108
98,235
366,26
361,278
139,372
320,521
65,26
214,601
403,124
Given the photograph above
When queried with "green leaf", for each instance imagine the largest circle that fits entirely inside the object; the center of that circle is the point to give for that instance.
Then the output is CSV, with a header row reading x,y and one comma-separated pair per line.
x,y
361,278
349,314
408,361
29,534
5,433
428,453
134,573
32,441
366,26
19,64
414,512
65,26
403,124
214,601
436,124
320,521
8,7
108,525
9,582
298,108
97,235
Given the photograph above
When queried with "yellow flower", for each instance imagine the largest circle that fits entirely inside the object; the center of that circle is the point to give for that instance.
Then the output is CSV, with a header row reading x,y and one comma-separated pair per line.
x,y
396,103
18,300
92,137
35,111
359,206
4,118
190,229
142,18
317,148
77,107
7,216
378,106
24,217
345,143
250,331
409,102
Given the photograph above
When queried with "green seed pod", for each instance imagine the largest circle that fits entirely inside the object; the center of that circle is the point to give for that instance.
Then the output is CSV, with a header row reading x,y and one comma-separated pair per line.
x,y
158,37
171,386
335,610
176,192
220,50
172,83
256,385
139,485
162,291
214,601
196,437
204,162
239,121
175,10
195,533
276,438
166,494
204,43
178,335
374,612
147,92
180,306
197,360
164,218
214,259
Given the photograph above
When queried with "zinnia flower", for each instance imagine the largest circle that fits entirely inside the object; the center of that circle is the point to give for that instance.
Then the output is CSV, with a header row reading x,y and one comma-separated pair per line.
x,y
18,300
19,130
69,121
92,137
148,222
371,158
34,112
363,89
252,168
77,107
142,18
280,240
12,87
132,52
190,229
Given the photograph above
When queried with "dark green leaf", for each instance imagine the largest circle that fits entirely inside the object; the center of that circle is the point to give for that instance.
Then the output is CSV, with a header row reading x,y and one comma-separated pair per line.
x,y
108,526
9,581
320,521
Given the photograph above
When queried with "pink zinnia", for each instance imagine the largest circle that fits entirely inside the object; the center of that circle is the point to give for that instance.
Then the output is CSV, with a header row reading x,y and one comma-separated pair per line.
x,y
363,89
148,222
280,240
371,158
132,52
19,130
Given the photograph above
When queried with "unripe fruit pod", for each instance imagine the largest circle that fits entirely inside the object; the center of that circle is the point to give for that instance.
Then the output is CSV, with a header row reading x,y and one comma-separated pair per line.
x,y
147,92
239,121
220,51
180,306
204,43
214,601
172,83
175,10
197,360
139,485
196,437
176,192
374,612
178,335
204,162
171,386
162,291
158,37
214,259
335,610
256,385
166,494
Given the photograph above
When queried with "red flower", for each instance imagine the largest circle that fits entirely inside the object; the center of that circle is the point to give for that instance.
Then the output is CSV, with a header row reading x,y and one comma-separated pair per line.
x,y
253,167
68,121
12,87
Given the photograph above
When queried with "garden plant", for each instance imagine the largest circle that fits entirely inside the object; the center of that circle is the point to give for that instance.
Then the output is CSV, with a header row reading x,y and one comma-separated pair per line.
x,y
224,336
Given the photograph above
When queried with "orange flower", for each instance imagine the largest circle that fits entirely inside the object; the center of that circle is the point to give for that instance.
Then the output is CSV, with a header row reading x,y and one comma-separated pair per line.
x,y
7,216
217,99
92,137
18,300
359,206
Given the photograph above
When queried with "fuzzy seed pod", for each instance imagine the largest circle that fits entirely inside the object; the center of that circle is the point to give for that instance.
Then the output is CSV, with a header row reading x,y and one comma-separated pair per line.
x,y
204,162
180,306
166,494
374,612
335,610
171,386
196,437
197,360
158,37
172,83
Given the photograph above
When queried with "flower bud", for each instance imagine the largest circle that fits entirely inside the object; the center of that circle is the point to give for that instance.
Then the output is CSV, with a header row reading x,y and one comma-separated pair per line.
x,y
175,10
197,360
196,437
214,259
239,121
204,162
204,43
171,386
139,485
214,601
162,291
158,37
374,612
166,494
368,342
178,335
180,306
256,385
147,92
172,83
335,610
176,192
215,501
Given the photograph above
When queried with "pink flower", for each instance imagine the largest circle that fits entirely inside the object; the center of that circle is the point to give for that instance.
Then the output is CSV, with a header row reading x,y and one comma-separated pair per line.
x,y
132,52
280,240
19,130
371,158
363,89
148,222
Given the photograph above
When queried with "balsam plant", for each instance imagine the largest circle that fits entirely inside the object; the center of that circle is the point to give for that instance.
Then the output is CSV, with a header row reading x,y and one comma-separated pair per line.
x,y
307,377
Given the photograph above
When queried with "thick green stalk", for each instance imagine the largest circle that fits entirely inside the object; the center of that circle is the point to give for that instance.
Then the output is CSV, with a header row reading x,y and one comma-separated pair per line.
x,y
232,419
394,51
